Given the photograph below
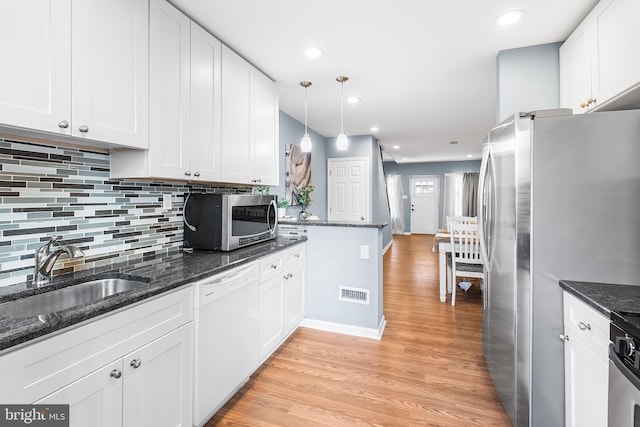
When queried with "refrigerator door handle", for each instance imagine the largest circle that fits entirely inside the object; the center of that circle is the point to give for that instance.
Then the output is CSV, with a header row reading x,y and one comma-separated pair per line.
x,y
482,203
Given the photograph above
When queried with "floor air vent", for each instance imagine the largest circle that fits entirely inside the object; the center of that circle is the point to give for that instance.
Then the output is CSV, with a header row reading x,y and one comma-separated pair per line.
x,y
357,295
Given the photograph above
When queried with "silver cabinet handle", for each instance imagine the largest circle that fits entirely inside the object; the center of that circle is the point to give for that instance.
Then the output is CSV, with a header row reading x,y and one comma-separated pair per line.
x,y
584,326
287,276
563,337
187,173
115,374
196,174
297,255
135,363
274,266
362,218
84,128
63,124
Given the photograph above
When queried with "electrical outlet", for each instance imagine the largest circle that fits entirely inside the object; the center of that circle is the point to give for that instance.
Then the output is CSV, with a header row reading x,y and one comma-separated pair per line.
x,y
167,202
364,252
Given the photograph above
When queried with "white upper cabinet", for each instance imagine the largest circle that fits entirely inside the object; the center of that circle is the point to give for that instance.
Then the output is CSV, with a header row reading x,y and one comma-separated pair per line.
x,y
35,64
249,123
205,104
77,68
110,67
184,97
600,61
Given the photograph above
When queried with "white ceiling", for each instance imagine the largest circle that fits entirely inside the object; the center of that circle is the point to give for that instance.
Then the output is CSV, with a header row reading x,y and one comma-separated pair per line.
x,y
424,69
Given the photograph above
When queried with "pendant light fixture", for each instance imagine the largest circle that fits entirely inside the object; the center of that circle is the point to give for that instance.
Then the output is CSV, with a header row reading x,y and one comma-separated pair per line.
x,y
305,143
342,143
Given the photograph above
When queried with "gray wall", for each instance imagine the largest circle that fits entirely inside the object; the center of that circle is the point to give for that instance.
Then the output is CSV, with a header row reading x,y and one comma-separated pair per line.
x,y
528,79
439,168
291,132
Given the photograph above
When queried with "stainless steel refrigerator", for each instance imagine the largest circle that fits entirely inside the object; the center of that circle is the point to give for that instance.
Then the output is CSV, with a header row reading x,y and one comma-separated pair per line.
x,y
559,199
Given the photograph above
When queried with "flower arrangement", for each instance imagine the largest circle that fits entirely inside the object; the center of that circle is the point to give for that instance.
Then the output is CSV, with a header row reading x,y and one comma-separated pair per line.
x,y
283,203
304,195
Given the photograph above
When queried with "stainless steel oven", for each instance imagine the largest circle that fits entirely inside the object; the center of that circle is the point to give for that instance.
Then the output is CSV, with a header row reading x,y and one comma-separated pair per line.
x,y
624,370
228,221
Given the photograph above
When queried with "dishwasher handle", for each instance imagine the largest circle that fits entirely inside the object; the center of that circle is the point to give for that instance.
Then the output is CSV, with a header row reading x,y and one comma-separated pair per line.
x,y
212,289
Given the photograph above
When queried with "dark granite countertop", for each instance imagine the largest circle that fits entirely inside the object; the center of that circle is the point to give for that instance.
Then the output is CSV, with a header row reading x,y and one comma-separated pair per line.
x,y
328,223
605,297
162,273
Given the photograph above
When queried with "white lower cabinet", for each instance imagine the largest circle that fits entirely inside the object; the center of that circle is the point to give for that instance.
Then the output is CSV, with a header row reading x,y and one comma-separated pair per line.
x,y
585,364
144,388
272,330
131,369
94,400
282,297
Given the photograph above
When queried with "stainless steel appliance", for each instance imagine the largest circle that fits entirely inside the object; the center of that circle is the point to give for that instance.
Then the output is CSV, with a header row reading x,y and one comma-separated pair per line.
x,y
228,221
624,370
559,199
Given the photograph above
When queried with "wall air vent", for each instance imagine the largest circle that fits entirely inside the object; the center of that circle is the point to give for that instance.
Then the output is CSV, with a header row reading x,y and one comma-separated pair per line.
x,y
357,295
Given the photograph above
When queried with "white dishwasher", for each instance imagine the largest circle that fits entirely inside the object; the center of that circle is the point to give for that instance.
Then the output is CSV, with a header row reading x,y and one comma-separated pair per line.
x,y
227,337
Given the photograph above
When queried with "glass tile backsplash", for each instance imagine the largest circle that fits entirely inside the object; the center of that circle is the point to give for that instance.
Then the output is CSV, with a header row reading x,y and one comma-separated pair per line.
x,y
52,190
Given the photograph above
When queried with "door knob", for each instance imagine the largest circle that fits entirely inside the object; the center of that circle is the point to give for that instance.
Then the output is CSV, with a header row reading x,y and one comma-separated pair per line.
x,y
84,128
63,124
563,337
135,363
115,374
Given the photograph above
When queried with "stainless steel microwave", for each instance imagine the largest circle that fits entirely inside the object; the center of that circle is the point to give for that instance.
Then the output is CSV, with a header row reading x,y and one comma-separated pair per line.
x,y
225,222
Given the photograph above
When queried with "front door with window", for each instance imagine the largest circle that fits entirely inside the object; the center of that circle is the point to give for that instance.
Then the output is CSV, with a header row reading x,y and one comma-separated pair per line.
x,y
425,197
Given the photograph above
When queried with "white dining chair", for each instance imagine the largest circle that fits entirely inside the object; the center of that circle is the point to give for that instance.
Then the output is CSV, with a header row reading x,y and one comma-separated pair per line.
x,y
456,220
466,260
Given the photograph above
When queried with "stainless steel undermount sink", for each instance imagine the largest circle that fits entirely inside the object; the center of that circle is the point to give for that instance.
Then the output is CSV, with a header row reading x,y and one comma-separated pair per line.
x,y
71,296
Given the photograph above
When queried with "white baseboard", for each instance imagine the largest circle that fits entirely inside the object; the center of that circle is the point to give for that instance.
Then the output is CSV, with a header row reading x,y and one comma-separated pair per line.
x,y
341,328
386,248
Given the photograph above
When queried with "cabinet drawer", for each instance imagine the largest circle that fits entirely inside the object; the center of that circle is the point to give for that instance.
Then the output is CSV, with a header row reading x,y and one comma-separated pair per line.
x,y
587,325
271,266
295,254
39,369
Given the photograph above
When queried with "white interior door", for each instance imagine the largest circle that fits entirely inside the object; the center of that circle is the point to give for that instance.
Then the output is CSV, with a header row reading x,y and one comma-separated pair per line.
x,y
349,191
425,197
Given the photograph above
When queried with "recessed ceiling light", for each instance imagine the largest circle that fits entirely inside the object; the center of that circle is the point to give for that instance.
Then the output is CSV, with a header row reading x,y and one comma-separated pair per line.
x,y
404,159
353,100
453,142
314,52
509,18
395,147
374,129
469,156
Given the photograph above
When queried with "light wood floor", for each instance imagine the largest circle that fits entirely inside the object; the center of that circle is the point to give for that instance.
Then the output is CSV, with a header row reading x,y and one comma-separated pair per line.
x,y
428,369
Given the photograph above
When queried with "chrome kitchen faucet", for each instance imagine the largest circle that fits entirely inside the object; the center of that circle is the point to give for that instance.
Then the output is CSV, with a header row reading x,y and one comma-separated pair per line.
x,y
45,259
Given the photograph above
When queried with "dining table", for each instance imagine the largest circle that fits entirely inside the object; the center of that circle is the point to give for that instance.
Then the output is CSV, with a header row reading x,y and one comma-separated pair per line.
x,y
442,244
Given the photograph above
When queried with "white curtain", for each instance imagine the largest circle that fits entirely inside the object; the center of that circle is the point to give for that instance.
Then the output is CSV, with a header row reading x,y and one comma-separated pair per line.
x,y
453,188
396,211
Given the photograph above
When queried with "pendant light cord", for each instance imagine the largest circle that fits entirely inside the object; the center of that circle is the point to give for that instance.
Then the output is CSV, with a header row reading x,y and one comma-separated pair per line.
x,y
305,110
342,107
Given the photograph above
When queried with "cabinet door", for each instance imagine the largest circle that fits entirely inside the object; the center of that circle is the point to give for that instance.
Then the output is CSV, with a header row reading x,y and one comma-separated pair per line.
x,y
295,298
35,64
265,113
110,63
157,388
616,24
586,385
169,68
575,69
94,400
271,315
205,104
237,133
